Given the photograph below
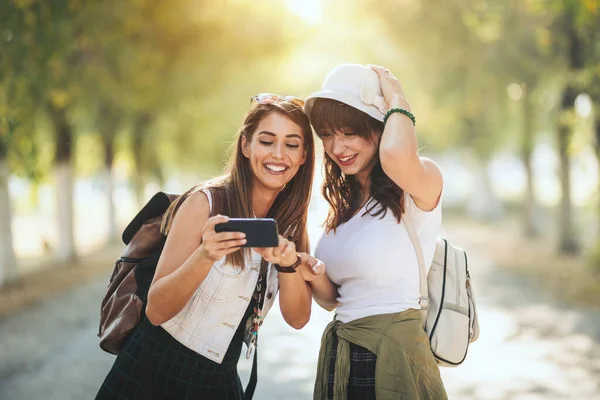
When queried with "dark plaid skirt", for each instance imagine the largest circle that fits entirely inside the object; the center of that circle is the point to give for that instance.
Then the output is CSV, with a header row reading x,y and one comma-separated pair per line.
x,y
361,384
157,367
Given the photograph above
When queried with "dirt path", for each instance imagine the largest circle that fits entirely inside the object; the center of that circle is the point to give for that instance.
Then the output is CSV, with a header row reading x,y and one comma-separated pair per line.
x,y
530,346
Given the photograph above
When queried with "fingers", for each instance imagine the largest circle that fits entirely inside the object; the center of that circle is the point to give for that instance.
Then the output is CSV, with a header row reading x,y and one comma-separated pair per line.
x,y
265,252
228,244
391,88
217,250
281,254
218,245
376,68
305,258
283,249
224,240
209,234
315,266
286,252
281,244
311,268
381,71
318,268
226,236
287,255
212,221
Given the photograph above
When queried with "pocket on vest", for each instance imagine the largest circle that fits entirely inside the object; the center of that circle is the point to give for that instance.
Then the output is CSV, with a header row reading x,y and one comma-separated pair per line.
x,y
221,282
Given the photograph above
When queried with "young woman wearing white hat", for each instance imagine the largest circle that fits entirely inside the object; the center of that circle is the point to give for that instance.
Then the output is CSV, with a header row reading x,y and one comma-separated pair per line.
x,y
376,346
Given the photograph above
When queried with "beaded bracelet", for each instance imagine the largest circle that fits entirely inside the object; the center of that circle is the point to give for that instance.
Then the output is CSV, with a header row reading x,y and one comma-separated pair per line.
x,y
401,111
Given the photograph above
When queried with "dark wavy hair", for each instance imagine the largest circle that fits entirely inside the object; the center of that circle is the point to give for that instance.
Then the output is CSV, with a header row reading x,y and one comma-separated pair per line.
x,y
343,192
232,192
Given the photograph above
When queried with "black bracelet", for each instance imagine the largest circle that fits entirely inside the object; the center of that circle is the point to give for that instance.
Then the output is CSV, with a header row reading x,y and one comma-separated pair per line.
x,y
401,111
291,268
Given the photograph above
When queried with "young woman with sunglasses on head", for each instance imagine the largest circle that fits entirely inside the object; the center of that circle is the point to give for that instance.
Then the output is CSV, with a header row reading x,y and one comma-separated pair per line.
x,y
209,295
376,346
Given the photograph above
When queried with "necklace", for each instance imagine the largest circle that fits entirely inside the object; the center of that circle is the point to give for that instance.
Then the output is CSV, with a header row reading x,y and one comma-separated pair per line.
x,y
257,316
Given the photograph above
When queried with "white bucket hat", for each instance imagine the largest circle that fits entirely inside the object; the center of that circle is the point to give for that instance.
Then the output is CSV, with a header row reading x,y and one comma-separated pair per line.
x,y
353,84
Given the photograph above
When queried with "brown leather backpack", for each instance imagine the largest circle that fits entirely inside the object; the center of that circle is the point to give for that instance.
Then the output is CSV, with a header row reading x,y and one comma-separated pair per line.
x,y
127,290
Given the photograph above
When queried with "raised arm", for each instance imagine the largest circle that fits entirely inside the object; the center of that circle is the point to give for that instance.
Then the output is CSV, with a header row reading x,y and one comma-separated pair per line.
x,y
191,249
420,177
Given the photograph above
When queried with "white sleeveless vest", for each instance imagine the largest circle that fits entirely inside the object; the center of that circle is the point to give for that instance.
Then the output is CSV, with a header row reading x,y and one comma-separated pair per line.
x,y
212,315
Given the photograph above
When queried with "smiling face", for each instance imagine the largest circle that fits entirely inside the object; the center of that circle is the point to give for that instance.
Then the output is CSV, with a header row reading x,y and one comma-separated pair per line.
x,y
275,151
354,154
352,167
350,137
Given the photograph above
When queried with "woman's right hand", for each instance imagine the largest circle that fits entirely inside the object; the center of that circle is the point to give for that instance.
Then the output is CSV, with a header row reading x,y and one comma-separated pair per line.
x,y
217,245
391,88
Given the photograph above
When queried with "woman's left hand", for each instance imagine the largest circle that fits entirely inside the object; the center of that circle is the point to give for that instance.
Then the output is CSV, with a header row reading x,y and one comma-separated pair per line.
x,y
393,93
310,268
283,255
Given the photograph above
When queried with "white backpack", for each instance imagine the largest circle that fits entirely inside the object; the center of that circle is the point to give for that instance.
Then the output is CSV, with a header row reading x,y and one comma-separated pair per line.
x,y
447,300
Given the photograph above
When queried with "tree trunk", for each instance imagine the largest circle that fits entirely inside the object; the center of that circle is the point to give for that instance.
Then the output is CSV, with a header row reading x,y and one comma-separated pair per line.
x,y
567,241
9,272
139,132
109,189
108,126
63,132
530,206
576,59
483,202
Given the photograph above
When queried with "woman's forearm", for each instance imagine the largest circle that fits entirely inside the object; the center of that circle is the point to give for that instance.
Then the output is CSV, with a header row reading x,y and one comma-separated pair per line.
x,y
324,292
399,140
294,299
168,295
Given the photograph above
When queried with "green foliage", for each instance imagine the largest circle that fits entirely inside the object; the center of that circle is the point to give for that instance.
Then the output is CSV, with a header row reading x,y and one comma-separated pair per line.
x,y
191,65
106,63
469,51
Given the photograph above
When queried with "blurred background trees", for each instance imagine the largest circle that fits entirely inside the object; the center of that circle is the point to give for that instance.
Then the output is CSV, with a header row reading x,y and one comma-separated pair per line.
x,y
103,102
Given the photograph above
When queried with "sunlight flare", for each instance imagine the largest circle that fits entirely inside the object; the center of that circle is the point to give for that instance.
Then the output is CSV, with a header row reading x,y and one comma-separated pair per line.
x,y
310,11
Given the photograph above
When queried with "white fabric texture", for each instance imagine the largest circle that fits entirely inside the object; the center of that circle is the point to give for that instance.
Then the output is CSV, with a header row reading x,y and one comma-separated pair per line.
x,y
373,262
353,84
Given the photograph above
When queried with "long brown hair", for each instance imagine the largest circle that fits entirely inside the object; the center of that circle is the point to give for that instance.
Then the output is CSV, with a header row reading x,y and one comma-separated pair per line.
x,y
343,192
232,192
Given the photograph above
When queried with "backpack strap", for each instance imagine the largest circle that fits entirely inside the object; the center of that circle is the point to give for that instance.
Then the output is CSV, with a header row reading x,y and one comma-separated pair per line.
x,y
156,206
414,238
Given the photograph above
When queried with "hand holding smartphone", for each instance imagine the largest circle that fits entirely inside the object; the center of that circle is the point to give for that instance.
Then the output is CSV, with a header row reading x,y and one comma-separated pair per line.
x,y
260,232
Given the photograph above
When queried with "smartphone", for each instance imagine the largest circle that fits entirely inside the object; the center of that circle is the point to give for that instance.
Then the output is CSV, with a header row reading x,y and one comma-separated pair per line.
x,y
260,232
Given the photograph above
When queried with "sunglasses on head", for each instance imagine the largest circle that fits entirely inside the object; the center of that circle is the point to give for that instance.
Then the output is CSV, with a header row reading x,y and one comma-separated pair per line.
x,y
270,98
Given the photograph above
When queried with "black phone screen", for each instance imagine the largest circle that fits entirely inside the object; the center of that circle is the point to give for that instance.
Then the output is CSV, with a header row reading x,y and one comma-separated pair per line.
x,y
260,232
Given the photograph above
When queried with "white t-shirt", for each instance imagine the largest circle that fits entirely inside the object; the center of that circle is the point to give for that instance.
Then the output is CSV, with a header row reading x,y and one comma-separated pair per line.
x,y
373,262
